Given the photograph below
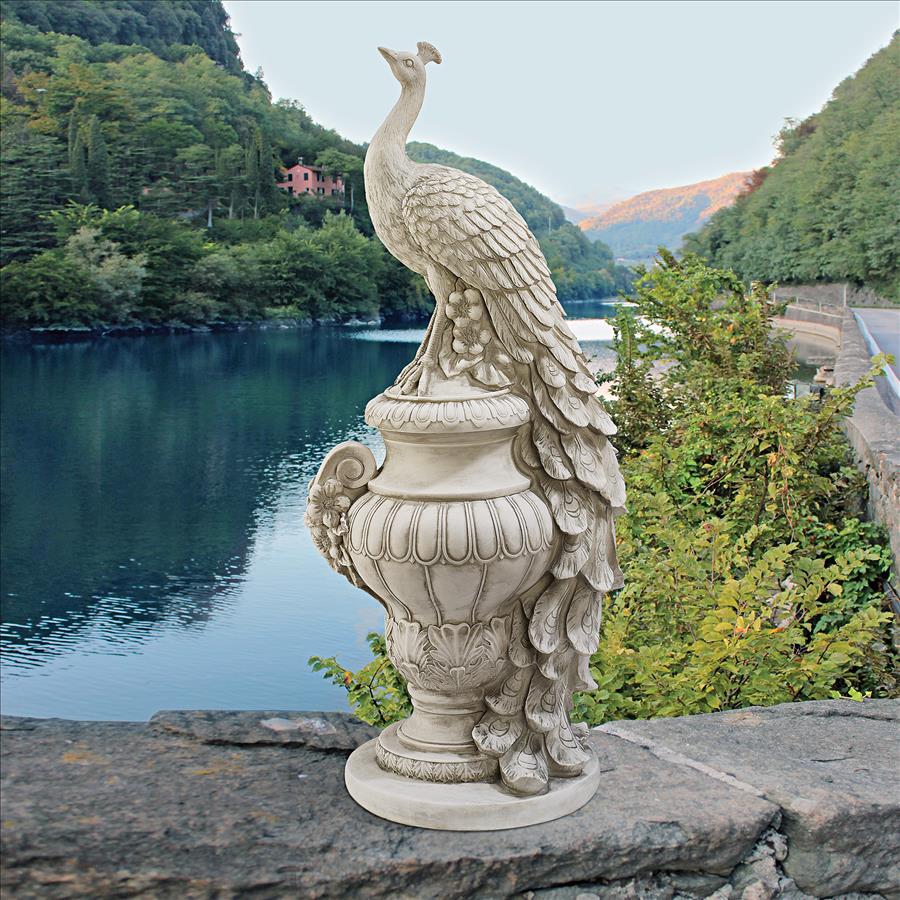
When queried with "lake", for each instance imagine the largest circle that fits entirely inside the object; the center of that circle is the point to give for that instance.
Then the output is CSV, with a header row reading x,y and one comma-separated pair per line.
x,y
153,548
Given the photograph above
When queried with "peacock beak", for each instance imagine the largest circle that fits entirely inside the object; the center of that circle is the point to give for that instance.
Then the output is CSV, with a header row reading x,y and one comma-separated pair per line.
x,y
389,55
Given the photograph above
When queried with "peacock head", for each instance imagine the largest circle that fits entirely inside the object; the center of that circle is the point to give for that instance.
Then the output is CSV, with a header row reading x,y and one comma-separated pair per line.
x,y
409,68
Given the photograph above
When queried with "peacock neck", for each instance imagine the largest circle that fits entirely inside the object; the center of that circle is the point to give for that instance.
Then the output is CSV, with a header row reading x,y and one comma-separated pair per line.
x,y
387,150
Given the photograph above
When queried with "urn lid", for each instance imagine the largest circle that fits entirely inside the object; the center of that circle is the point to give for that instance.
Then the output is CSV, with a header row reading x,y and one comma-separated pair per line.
x,y
445,414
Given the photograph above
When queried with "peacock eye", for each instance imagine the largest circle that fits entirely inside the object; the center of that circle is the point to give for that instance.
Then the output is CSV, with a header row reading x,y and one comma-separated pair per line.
x,y
409,63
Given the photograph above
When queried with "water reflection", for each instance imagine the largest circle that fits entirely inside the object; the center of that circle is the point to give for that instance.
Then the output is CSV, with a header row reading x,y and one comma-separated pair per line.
x,y
152,497
146,485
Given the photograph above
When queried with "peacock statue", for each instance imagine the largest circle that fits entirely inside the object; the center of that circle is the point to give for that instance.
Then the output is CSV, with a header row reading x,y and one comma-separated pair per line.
x,y
497,323
488,532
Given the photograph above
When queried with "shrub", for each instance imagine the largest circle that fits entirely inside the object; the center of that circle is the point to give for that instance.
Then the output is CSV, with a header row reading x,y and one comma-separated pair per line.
x,y
749,578
377,692
50,288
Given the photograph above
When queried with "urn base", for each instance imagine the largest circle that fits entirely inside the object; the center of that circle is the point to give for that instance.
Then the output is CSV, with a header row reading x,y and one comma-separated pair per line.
x,y
440,764
479,806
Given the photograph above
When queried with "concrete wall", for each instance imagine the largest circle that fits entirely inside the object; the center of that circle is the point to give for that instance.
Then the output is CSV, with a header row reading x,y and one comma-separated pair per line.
x,y
830,295
822,326
874,434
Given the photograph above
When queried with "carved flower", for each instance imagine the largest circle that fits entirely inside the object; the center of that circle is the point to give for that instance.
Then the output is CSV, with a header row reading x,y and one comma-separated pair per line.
x,y
469,339
326,504
464,307
320,538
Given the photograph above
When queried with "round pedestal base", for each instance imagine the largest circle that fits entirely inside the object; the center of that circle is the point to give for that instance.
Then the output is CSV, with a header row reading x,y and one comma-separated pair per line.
x,y
460,807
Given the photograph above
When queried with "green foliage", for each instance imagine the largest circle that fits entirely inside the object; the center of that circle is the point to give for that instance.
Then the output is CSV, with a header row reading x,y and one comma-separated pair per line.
x,y
171,140
128,267
88,279
705,624
30,188
582,269
153,25
641,410
749,578
171,250
49,288
171,132
97,167
328,272
377,693
826,210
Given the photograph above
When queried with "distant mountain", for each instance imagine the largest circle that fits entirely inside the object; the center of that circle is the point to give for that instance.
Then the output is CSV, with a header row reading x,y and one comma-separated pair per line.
x,y
634,228
575,215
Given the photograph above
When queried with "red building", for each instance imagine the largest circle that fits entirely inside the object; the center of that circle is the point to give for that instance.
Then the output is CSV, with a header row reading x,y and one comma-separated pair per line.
x,y
303,179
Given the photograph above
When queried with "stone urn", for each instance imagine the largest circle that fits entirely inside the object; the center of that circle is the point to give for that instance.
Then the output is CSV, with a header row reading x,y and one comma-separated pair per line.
x,y
448,534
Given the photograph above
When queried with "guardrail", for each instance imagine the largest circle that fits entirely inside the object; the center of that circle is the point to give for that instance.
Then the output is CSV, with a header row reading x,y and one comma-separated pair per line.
x,y
890,376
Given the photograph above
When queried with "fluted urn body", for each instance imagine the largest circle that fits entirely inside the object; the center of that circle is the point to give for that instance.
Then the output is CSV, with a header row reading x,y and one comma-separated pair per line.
x,y
447,535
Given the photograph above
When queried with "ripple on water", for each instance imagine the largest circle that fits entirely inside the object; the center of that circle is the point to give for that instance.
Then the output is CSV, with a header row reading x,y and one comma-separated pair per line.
x,y
153,545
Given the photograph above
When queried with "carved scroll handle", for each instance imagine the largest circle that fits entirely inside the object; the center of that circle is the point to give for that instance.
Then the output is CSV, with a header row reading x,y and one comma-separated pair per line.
x,y
341,479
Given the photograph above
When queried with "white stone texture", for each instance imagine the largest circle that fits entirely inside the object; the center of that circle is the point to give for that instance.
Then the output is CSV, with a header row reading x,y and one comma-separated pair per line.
x,y
488,534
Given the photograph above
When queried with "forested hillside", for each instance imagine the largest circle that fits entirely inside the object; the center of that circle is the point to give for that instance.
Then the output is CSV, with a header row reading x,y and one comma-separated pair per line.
x,y
152,24
581,268
139,181
826,209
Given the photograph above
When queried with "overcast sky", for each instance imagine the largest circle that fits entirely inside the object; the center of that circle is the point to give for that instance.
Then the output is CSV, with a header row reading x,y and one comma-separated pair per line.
x,y
587,101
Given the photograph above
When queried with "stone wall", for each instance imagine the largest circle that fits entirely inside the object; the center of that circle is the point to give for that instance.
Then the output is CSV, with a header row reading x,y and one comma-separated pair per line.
x,y
794,801
874,429
830,295
820,326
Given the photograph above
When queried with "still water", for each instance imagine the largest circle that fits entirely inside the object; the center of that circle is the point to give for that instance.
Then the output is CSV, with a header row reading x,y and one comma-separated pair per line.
x,y
152,495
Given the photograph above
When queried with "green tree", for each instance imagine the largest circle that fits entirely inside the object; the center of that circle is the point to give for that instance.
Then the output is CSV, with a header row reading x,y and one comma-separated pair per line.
x,y
826,209
47,289
232,177
343,165
97,166
200,178
260,173
30,188
78,171
115,279
72,134
170,251
155,25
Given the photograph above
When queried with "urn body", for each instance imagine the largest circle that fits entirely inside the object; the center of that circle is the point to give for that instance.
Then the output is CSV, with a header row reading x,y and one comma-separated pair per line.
x,y
447,535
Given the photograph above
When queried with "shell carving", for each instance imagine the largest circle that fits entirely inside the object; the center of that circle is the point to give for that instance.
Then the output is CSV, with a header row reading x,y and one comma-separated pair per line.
x,y
452,656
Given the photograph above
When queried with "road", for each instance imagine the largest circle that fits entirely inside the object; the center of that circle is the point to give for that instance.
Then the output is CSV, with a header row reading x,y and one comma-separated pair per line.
x,y
881,330
884,326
